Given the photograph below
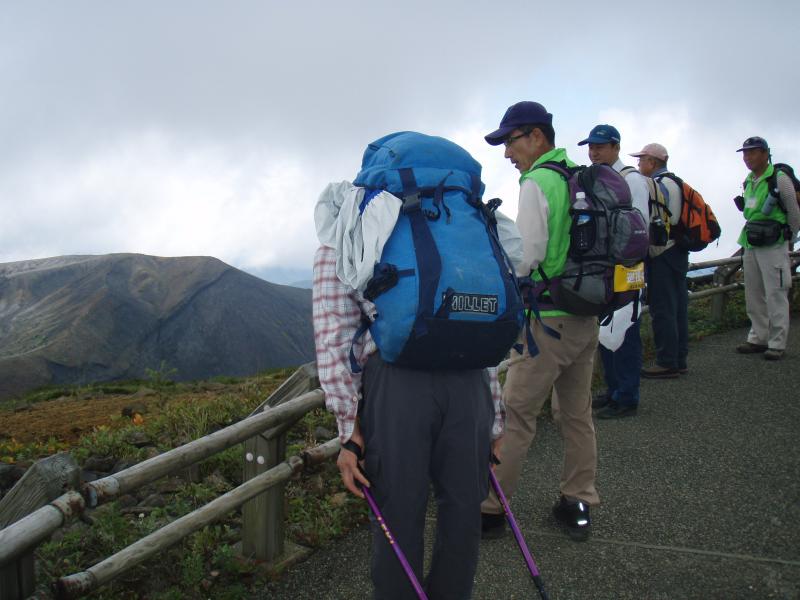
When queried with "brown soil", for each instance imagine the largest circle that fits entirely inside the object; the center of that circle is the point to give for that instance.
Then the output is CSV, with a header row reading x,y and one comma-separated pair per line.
x,y
67,418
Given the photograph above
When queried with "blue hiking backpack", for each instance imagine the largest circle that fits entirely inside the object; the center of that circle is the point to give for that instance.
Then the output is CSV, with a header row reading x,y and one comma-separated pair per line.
x,y
445,291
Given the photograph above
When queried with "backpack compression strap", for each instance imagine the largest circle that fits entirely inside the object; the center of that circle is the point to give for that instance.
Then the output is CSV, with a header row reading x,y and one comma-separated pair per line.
x,y
429,262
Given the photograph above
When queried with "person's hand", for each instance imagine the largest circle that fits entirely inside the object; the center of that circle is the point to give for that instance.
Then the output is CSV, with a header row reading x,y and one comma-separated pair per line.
x,y
349,465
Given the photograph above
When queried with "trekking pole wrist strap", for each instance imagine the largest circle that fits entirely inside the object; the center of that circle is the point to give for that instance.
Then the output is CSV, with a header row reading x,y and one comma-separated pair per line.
x,y
354,448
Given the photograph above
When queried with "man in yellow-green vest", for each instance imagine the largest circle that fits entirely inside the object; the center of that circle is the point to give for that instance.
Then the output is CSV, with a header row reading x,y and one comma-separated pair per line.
x,y
770,208
562,365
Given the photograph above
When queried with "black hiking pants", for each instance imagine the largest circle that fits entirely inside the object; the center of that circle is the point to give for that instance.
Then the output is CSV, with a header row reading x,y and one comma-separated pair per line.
x,y
423,427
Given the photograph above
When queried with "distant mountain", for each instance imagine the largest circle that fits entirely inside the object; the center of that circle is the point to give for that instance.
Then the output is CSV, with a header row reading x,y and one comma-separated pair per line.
x,y
79,319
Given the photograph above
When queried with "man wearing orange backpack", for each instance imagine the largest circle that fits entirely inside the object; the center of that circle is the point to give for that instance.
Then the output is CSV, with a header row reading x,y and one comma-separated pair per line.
x,y
770,206
667,294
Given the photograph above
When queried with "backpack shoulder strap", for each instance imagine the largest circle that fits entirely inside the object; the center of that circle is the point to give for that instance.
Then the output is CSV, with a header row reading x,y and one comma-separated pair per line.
x,y
559,167
678,181
626,170
669,175
772,182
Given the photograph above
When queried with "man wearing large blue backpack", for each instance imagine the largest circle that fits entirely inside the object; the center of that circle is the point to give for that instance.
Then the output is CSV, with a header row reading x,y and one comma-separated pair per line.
x,y
412,397
562,365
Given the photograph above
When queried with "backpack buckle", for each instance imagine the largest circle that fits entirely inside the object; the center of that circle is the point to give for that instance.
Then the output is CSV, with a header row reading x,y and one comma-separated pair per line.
x,y
412,203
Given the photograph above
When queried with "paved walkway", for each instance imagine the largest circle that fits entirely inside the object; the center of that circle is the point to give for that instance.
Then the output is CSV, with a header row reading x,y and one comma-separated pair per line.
x,y
701,498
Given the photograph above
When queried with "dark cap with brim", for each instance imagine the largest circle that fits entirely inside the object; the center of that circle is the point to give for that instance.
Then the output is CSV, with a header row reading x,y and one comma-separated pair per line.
x,y
602,134
519,115
754,142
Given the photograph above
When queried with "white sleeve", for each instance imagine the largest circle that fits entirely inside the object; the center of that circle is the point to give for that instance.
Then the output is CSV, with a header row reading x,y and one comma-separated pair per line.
x,y
532,216
640,194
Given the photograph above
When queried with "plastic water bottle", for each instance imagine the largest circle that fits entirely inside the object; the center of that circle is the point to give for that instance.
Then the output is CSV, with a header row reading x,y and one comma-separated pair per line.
x,y
583,234
769,204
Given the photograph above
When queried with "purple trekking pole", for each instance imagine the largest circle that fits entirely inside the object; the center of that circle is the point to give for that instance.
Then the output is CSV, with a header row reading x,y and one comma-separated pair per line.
x,y
356,449
537,578
393,543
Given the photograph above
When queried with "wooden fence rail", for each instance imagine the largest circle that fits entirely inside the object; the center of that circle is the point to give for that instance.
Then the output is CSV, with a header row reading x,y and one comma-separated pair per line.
x,y
106,570
266,470
13,537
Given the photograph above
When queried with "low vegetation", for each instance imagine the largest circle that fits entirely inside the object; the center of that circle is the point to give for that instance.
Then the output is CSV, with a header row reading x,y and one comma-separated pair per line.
x,y
165,415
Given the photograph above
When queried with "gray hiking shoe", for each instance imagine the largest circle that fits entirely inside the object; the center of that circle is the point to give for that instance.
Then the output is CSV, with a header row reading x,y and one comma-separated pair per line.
x,y
749,348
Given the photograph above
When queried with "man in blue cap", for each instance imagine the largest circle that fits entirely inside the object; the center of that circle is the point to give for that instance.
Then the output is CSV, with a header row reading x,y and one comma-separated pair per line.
x,y
620,343
562,365
770,207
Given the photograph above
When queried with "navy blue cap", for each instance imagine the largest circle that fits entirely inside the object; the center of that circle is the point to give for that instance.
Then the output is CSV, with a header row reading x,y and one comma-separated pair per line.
x,y
754,142
518,115
602,134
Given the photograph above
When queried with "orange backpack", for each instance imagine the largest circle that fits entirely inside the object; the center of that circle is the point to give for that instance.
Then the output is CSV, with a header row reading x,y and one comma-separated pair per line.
x,y
697,226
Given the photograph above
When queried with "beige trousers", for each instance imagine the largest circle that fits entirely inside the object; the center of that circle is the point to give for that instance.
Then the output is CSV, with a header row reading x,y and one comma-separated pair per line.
x,y
767,279
565,367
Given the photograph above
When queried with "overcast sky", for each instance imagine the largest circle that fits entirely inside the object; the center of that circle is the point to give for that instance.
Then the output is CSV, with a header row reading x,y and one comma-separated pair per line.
x,y
209,128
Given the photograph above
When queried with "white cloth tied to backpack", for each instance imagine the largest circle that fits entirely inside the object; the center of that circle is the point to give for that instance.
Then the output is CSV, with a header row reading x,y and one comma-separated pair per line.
x,y
511,241
612,334
359,236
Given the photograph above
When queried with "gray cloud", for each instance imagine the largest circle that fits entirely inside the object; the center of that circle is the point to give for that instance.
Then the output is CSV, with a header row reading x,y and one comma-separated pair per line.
x,y
263,102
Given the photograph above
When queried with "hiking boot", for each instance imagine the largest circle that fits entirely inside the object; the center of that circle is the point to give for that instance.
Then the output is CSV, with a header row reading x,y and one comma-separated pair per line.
x,y
659,372
683,370
600,400
573,517
617,411
748,348
773,354
492,526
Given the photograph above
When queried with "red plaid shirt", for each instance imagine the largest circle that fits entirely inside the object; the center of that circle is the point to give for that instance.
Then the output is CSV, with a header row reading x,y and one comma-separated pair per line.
x,y
337,310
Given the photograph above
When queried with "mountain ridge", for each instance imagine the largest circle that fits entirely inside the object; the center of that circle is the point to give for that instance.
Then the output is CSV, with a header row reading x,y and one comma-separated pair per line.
x,y
81,318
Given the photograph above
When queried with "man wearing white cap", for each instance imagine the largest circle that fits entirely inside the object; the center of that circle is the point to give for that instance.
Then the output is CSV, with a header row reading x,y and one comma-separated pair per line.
x,y
667,294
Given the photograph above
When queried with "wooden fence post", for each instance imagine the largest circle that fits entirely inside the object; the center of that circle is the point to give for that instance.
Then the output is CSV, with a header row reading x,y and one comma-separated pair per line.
x,y
42,483
263,518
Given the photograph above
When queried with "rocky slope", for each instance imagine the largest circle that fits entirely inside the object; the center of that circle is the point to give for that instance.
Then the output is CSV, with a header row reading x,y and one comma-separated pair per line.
x,y
77,319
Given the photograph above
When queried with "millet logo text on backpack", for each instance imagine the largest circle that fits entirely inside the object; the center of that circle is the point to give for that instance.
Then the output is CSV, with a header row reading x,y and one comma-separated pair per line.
x,y
473,303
